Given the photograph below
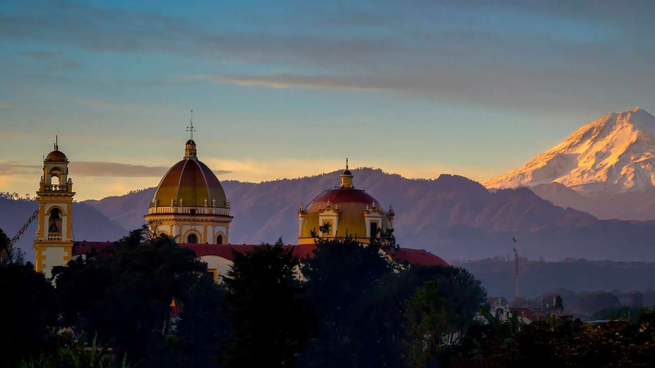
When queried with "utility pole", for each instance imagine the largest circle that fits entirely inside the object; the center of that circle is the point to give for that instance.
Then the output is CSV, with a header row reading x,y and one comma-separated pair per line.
x,y
517,287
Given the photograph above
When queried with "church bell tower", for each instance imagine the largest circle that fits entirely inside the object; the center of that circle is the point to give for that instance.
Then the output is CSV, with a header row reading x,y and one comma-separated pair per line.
x,y
54,237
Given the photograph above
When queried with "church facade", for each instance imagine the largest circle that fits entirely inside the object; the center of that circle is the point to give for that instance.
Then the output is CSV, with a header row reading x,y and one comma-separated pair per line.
x,y
190,205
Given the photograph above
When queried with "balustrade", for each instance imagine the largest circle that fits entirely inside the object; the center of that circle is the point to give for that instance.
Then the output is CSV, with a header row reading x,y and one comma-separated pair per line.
x,y
54,236
56,188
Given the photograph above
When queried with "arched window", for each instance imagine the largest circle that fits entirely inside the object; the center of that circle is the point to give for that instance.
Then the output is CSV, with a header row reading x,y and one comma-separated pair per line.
x,y
219,239
192,239
54,225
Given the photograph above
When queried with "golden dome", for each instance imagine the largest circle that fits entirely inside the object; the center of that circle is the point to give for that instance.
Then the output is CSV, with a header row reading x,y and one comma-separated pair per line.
x,y
355,211
190,183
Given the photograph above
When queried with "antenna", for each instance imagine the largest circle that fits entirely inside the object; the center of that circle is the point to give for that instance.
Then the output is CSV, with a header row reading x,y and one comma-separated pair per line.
x,y
190,128
516,273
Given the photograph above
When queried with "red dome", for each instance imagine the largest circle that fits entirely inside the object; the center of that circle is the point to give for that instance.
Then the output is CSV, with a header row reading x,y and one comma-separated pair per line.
x,y
339,195
56,156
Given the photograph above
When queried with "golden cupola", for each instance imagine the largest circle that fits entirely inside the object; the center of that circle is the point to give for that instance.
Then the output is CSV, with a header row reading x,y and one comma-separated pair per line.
x,y
190,203
346,210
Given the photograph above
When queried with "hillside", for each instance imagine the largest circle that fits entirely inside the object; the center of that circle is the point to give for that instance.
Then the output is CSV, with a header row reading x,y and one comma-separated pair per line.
x,y
452,216
577,275
638,206
88,223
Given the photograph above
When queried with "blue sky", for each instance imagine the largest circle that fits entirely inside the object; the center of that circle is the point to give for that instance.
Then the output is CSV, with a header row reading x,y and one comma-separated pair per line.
x,y
290,88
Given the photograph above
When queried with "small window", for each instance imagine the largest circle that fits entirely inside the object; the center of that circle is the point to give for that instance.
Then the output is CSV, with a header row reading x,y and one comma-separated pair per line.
x,y
219,239
192,239
374,229
194,211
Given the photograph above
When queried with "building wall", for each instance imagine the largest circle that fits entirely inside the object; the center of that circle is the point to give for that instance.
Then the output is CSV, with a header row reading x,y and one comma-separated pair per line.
x,y
218,265
51,256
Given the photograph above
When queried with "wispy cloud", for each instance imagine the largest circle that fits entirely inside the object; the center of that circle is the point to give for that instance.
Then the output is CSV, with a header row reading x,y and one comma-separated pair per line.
x,y
42,55
53,60
94,169
294,81
513,54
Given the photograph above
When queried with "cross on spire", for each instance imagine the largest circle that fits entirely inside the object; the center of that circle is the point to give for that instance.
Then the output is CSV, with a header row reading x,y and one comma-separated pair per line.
x,y
190,128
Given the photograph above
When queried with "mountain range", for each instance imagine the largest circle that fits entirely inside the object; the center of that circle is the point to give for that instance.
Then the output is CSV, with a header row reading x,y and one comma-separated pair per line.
x,y
451,216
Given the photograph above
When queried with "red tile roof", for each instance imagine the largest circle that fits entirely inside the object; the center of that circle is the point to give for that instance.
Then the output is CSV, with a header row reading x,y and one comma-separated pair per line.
x,y
417,257
412,256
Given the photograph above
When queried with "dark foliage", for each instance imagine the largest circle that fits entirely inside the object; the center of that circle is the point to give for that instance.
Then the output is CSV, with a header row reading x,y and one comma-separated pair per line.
x,y
28,306
126,297
269,319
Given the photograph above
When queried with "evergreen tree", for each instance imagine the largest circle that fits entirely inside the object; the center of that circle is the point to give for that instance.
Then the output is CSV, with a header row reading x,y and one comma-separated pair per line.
x,y
342,285
270,323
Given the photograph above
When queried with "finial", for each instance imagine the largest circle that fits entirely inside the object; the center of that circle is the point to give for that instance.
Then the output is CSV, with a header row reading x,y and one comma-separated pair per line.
x,y
190,128
346,163
56,143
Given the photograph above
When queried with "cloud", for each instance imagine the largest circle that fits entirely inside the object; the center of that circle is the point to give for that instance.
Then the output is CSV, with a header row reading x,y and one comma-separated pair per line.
x,y
93,169
294,81
42,55
17,168
54,60
514,54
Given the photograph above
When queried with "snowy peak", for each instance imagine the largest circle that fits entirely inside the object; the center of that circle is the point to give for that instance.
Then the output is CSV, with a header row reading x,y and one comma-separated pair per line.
x,y
614,153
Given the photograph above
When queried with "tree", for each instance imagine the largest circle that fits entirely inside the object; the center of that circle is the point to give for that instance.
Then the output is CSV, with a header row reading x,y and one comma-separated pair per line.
x,y
458,286
343,286
202,331
28,306
125,297
597,301
428,320
8,253
564,342
270,323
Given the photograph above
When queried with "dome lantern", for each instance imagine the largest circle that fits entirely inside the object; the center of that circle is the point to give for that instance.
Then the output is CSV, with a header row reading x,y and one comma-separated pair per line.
x,y
346,178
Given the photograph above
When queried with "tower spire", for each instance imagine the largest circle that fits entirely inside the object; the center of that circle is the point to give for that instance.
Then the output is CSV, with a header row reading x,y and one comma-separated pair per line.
x,y
190,128
346,178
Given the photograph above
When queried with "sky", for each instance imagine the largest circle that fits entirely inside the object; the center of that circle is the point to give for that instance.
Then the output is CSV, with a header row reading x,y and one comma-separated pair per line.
x,y
291,88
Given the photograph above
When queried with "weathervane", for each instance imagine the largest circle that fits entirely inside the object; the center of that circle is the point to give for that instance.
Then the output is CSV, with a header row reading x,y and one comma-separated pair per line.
x,y
190,128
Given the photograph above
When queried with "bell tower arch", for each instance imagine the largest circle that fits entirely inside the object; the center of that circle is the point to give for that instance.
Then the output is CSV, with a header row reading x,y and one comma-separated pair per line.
x,y
54,237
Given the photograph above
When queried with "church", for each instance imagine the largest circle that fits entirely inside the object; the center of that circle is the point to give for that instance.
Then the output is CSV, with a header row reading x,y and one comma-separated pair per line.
x,y
190,205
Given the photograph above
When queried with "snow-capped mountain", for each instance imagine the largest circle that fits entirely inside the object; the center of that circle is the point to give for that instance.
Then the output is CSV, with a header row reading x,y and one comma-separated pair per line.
x,y
613,154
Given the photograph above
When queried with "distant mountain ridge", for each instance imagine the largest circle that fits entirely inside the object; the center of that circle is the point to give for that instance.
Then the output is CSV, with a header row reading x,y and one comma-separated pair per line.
x,y
612,154
451,216
88,223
